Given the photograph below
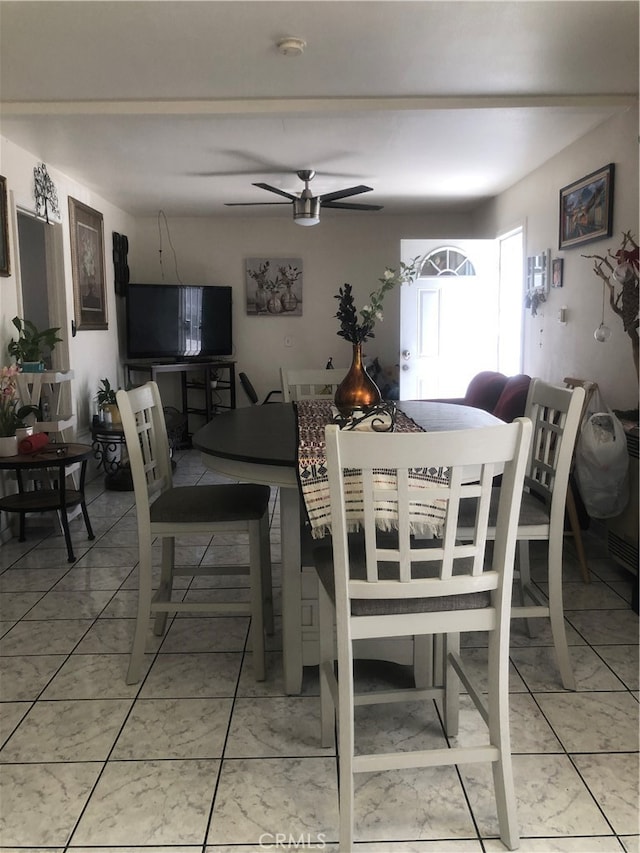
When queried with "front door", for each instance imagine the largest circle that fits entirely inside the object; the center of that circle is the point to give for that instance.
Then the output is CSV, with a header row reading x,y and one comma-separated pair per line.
x,y
449,316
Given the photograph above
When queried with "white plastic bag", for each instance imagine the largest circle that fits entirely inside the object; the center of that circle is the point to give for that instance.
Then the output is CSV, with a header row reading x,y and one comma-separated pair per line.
x,y
602,461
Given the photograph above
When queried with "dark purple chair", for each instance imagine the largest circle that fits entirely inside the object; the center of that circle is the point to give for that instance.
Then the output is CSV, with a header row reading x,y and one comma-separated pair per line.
x,y
511,402
482,392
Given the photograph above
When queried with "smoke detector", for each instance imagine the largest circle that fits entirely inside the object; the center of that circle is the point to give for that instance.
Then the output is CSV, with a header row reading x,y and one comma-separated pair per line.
x,y
291,46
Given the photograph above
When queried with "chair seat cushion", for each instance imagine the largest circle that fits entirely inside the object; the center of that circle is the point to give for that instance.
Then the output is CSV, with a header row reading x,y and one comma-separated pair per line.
x,y
533,511
323,559
216,503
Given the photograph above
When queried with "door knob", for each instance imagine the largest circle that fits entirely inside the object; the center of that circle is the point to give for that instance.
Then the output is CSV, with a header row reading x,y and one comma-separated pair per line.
x,y
406,354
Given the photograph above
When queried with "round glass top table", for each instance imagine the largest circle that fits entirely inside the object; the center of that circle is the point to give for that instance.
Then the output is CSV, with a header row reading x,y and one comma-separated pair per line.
x,y
60,499
258,444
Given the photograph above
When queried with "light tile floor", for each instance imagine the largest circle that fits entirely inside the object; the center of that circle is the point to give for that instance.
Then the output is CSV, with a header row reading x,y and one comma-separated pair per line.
x,y
200,757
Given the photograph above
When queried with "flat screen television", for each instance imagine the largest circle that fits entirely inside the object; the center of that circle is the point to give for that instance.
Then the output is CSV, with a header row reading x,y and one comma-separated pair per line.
x,y
174,322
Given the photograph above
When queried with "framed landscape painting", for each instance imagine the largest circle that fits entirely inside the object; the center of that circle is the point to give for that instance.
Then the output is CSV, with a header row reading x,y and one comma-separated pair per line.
x,y
87,266
586,208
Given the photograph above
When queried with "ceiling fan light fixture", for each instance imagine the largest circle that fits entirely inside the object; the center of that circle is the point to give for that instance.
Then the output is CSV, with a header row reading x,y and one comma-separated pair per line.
x,y
306,211
291,46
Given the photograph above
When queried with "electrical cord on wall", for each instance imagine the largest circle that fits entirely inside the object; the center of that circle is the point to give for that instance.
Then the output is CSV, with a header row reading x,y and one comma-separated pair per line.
x,y
162,215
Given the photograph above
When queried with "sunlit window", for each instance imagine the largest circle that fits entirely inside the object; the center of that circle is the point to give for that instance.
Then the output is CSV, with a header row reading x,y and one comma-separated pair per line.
x,y
447,262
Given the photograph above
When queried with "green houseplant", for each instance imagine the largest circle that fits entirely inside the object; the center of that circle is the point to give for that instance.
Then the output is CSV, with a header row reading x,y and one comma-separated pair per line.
x,y
32,345
12,414
106,399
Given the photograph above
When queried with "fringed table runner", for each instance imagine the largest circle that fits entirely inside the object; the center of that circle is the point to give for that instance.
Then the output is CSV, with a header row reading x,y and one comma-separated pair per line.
x,y
312,417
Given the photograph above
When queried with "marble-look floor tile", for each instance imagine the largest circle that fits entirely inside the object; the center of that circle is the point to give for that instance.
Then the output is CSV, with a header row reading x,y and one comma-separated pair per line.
x,y
201,634
70,604
83,578
275,795
193,676
592,722
476,663
119,538
539,669
273,685
631,843
94,677
605,627
31,580
24,676
592,596
551,798
624,661
14,605
46,557
113,636
613,780
10,715
424,803
530,732
149,802
42,802
98,557
279,726
80,730
579,844
56,637
542,637
175,728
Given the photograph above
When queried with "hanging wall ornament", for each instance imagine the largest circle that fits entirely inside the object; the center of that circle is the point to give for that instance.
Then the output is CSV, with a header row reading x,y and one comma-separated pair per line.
x,y
45,194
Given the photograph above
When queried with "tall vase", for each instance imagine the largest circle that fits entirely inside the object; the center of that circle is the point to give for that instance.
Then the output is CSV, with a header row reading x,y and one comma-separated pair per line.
x,y
357,390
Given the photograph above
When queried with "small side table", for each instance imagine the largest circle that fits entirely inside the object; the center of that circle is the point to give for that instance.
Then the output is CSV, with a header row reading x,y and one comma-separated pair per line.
x,y
60,499
108,447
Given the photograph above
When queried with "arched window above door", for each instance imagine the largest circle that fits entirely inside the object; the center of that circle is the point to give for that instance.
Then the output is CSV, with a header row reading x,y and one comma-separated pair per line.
x,y
446,261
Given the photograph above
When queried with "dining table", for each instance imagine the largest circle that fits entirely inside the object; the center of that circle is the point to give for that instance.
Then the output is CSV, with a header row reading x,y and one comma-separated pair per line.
x,y
259,444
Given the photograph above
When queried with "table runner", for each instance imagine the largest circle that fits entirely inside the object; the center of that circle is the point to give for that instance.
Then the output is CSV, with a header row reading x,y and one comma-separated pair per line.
x,y
311,417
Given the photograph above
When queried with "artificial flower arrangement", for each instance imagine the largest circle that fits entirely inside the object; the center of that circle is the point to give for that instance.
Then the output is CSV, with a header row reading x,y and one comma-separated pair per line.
x,y
356,329
11,413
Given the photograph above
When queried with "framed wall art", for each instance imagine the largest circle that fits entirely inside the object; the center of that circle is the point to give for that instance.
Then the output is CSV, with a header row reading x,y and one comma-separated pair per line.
x,y
557,265
5,260
586,208
274,287
87,266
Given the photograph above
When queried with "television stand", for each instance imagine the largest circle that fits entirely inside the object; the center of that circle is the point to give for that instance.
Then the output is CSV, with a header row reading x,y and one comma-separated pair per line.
x,y
207,386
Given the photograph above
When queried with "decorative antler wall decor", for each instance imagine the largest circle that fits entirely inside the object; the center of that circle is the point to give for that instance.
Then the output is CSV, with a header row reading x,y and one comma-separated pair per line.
x,y
619,273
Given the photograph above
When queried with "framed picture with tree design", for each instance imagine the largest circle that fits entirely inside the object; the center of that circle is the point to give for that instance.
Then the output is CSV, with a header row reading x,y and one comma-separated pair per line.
x,y
87,266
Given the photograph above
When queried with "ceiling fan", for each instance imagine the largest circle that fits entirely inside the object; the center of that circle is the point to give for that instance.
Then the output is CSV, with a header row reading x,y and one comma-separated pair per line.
x,y
306,206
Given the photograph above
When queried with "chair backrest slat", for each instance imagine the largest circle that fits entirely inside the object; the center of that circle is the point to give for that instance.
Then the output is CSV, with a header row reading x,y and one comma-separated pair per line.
x,y
555,413
398,563
311,384
145,434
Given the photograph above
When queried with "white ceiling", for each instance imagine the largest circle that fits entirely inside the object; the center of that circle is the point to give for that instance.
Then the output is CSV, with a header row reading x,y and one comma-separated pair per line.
x,y
181,106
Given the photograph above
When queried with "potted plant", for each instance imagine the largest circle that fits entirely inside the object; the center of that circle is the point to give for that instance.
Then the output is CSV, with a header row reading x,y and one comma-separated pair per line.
x,y
106,399
33,345
12,415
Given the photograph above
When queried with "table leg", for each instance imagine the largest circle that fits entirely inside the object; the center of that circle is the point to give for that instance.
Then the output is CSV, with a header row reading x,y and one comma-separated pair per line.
x,y
291,590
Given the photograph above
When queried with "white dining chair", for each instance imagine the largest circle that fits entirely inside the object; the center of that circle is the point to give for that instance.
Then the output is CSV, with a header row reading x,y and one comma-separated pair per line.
x,y
402,586
555,413
310,384
165,511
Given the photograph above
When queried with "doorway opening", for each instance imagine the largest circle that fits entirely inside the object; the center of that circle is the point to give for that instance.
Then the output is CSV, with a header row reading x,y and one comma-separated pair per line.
x,y
462,315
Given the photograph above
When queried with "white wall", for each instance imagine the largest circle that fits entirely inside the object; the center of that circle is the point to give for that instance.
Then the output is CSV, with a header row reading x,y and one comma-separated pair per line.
x,y
92,354
553,351
344,247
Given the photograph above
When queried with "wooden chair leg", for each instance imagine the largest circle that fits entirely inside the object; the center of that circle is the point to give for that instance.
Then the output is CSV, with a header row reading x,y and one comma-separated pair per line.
x,y
572,513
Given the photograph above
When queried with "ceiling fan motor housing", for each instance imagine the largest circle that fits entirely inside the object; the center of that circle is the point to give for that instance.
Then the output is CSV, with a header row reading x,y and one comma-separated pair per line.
x,y
306,210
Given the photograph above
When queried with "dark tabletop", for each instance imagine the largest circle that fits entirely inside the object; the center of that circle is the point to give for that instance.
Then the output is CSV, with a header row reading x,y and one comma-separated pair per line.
x,y
266,435
49,457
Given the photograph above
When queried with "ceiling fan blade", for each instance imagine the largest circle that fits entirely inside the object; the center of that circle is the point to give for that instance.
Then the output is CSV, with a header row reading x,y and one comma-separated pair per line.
x,y
337,204
276,190
345,193
252,203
